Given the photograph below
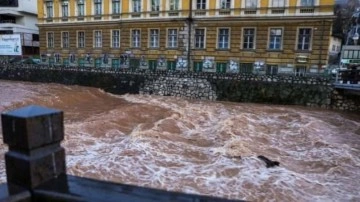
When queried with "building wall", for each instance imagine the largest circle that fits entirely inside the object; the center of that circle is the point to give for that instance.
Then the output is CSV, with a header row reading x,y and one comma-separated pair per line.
x,y
291,17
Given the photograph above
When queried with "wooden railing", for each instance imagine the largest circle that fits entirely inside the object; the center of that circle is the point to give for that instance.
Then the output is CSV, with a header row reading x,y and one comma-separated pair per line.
x,y
36,168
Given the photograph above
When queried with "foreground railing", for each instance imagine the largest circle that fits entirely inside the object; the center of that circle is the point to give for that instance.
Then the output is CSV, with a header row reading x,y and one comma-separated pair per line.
x,y
36,168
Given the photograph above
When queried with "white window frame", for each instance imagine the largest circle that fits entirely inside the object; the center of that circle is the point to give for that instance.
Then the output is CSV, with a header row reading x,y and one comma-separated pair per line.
x,y
280,40
80,4
223,43
243,38
307,3
115,38
172,38
133,6
115,10
278,5
97,37
65,42
174,5
310,41
98,11
156,43
78,39
135,42
50,41
64,8
204,39
49,6
156,7
220,4
199,5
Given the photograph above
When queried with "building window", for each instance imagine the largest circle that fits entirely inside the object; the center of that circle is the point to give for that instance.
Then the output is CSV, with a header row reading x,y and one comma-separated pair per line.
x,y
249,38
97,39
223,38
199,38
201,4
155,5
304,38
278,3
252,4
50,39
65,8
81,39
154,38
225,4
172,38
275,39
307,3
116,6
80,8
98,7
136,6
135,38
115,38
65,39
174,5
49,9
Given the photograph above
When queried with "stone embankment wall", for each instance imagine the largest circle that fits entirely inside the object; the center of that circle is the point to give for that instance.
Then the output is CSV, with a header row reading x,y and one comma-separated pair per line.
x,y
313,91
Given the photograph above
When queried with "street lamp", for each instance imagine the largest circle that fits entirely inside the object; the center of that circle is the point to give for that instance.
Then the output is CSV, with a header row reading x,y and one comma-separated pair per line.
x,y
355,38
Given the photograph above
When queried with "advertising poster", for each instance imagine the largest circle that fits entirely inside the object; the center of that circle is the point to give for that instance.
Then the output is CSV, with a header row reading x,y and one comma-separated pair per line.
x,y
10,44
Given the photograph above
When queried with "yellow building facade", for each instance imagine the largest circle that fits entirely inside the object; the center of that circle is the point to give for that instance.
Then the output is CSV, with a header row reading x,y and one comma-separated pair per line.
x,y
197,35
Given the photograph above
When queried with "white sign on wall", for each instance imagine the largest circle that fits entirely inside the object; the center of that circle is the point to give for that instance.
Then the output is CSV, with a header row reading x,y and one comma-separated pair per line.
x,y
10,44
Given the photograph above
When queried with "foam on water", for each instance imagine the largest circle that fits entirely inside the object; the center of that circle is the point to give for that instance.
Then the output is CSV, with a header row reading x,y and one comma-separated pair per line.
x,y
208,147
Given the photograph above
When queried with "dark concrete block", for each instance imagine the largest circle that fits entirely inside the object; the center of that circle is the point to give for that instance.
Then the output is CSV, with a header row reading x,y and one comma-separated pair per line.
x,y
32,127
31,171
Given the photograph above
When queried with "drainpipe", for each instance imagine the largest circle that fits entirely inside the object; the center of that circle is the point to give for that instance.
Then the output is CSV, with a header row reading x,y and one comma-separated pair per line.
x,y
189,21
321,43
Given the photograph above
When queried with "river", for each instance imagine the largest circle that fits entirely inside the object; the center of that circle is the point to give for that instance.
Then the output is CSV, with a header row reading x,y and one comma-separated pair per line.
x,y
195,146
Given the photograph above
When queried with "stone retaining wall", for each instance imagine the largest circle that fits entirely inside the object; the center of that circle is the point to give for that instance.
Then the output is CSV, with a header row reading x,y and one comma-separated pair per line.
x,y
312,91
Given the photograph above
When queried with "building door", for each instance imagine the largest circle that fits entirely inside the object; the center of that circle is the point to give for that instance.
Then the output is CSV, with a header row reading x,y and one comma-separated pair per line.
x,y
152,65
246,68
271,69
300,70
134,63
221,67
115,63
198,66
171,65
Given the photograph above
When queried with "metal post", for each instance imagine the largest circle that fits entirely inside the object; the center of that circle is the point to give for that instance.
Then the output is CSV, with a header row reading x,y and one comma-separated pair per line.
x,y
35,156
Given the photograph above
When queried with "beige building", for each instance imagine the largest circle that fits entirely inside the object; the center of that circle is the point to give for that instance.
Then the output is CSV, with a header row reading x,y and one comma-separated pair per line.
x,y
200,35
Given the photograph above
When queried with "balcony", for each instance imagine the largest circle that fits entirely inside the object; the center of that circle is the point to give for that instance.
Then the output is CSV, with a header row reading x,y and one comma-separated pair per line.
x,y
307,10
8,21
224,12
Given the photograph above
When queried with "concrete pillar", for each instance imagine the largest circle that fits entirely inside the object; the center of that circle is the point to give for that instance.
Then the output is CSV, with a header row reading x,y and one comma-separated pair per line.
x,y
33,134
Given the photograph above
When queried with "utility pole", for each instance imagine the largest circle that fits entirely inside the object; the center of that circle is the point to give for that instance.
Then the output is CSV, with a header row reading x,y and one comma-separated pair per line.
x,y
189,22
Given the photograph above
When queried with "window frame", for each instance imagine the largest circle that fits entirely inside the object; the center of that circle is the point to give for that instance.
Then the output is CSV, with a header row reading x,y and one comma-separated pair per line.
x,y
115,38
98,39
172,39
203,38
154,7
201,4
50,41
115,7
246,36
78,41
151,44
228,4
138,41
276,36
65,39
98,10
174,5
219,39
49,5
80,6
136,6
65,8
298,39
